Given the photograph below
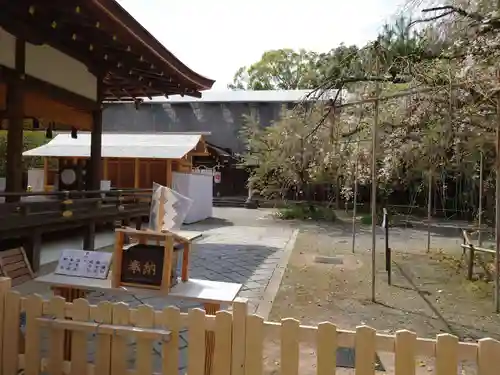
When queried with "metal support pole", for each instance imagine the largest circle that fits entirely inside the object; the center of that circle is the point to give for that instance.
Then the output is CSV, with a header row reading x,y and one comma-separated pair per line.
x,y
429,210
387,248
374,179
480,214
355,202
497,208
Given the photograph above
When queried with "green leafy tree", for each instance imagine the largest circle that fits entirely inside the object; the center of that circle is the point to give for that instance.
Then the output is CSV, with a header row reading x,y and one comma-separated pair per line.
x,y
31,139
283,69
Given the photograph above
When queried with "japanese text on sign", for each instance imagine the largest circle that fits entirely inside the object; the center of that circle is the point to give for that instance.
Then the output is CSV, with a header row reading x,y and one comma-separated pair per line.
x,y
148,268
143,265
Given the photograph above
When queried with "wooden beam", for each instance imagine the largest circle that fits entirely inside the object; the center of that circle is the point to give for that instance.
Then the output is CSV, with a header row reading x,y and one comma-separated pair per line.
x,y
87,44
41,106
59,25
105,329
57,93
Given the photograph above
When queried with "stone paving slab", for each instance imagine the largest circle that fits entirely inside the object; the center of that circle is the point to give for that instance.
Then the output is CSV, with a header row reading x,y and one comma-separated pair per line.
x,y
248,255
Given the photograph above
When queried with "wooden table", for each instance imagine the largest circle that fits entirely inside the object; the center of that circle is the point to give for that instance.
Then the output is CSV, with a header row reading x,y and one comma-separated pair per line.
x,y
212,294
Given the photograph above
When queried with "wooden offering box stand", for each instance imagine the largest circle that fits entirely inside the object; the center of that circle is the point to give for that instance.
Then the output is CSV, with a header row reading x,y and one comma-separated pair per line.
x,y
169,259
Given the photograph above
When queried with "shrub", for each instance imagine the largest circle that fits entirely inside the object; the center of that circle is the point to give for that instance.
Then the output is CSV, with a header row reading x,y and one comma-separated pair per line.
x,y
307,212
366,219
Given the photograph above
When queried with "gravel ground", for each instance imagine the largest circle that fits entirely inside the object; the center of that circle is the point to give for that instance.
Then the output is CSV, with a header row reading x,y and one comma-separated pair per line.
x,y
429,292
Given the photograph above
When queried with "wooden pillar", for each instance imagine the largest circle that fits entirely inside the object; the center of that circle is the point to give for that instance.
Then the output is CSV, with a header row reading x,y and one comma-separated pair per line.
x,y
169,174
137,173
15,116
105,169
33,247
96,141
148,174
119,174
45,173
89,236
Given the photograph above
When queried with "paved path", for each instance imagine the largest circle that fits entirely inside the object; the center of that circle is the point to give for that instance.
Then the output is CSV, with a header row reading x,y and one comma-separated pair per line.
x,y
241,246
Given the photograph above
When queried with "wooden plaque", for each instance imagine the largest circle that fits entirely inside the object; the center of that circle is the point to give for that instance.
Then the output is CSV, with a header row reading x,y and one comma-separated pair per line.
x,y
142,265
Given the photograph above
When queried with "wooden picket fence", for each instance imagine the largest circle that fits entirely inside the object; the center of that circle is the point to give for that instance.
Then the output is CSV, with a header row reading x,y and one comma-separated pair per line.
x,y
239,341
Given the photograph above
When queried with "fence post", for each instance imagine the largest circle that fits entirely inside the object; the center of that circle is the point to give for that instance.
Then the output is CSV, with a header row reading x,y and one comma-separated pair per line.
x,y
385,225
240,312
5,285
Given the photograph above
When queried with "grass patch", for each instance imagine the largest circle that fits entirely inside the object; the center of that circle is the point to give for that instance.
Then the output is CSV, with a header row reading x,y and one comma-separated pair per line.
x,y
479,288
366,220
307,212
452,262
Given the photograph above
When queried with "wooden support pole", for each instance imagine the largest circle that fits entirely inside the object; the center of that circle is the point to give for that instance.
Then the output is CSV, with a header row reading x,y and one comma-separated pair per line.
x,y
137,173
96,142
15,115
33,249
89,236
148,174
117,259
119,174
45,173
105,171
185,261
169,174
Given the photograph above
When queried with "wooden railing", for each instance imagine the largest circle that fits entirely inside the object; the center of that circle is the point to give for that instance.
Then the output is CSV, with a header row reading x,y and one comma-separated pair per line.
x,y
33,214
239,341
57,206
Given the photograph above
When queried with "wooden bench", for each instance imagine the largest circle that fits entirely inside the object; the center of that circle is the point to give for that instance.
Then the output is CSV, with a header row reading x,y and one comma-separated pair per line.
x,y
468,245
15,265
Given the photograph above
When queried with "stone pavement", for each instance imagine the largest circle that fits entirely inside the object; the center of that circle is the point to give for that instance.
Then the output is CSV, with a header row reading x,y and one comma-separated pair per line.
x,y
253,255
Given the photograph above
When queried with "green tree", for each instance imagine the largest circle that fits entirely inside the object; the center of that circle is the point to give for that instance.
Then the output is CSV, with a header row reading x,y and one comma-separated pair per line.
x,y
283,69
286,69
31,139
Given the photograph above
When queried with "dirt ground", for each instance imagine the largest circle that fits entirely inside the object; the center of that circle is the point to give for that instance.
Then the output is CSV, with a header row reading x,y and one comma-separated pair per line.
x,y
429,292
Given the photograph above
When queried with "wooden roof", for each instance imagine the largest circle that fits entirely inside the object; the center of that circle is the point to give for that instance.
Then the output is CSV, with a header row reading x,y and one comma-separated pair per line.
x,y
106,38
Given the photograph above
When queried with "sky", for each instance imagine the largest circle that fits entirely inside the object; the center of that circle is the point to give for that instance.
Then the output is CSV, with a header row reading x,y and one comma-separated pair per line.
x,y
216,37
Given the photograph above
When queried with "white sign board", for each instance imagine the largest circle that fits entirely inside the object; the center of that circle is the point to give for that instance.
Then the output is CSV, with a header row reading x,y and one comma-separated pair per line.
x,y
81,263
36,179
217,177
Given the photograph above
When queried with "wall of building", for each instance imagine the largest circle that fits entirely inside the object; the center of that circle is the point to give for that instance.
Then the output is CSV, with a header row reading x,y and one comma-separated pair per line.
x,y
222,120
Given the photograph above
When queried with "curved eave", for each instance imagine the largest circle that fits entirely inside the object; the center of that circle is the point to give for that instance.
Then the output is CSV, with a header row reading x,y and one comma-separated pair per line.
x,y
123,19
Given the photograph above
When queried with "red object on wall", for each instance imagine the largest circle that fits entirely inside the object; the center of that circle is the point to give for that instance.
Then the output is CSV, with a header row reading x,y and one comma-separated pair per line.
x,y
217,177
